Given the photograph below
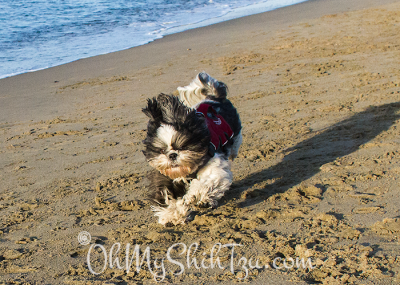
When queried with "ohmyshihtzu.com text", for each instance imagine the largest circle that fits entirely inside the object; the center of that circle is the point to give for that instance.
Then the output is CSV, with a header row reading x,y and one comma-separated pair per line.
x,y
135,260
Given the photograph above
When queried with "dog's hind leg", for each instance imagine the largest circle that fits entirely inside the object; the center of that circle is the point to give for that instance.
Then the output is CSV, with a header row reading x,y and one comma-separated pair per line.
x,y
235,147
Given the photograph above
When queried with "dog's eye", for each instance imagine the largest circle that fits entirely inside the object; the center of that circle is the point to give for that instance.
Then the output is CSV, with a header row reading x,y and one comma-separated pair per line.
x,y
176,147
162,151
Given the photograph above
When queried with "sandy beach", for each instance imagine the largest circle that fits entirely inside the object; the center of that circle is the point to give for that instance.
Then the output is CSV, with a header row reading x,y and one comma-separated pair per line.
x,y
317,86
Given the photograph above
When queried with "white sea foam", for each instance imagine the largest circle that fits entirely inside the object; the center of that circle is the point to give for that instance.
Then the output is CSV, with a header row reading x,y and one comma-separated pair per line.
x,y
40,34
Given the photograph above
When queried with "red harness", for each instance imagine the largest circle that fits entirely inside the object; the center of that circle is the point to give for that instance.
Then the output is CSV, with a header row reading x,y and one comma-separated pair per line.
x,y
220,130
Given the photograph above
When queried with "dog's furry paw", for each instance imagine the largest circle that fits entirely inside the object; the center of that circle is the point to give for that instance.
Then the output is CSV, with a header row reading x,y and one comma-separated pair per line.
x,y
174,214
202,204
188,200
169,224
207,204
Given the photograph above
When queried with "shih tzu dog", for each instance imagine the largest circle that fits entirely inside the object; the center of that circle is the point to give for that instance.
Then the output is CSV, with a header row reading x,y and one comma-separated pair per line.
x,y
189,142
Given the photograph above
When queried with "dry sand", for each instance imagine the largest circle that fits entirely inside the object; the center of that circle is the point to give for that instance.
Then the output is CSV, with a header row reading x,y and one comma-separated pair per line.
x,y
317,86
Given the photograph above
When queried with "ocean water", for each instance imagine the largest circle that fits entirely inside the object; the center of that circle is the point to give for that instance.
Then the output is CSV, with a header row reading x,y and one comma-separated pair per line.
x,y
43,33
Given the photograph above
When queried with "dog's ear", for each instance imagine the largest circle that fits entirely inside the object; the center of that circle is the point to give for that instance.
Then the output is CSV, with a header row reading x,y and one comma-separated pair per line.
x,y
153,110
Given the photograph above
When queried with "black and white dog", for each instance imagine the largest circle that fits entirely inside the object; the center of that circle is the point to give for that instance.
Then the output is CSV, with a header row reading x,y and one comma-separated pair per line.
x,y
189,142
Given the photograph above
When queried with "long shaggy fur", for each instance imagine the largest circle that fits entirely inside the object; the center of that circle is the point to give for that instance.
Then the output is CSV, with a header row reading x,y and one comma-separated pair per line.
x,y
202,87
186,173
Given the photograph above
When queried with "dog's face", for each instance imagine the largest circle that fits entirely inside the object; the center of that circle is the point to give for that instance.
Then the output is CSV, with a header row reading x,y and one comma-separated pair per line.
x,y
177,138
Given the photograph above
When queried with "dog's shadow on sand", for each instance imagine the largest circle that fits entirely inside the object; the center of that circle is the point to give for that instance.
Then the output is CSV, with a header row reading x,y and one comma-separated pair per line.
x,y
305,159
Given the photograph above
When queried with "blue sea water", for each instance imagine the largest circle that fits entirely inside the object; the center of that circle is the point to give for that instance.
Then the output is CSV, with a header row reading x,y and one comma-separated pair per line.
x,y
44,33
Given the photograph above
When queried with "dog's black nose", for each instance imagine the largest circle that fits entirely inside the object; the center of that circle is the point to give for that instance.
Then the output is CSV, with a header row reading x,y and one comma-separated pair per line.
x,y
173,156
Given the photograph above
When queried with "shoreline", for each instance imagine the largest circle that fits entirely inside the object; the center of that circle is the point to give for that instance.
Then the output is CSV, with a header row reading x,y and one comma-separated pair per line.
x,y
157,34
317,89
305,14
14,89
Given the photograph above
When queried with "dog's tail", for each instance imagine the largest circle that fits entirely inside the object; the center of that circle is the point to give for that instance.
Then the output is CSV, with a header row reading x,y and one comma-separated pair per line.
x,y
202,87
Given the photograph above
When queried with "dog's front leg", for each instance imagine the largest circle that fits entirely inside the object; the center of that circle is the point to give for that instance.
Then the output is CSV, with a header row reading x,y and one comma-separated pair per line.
x,y
174,213
167,196
212,181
